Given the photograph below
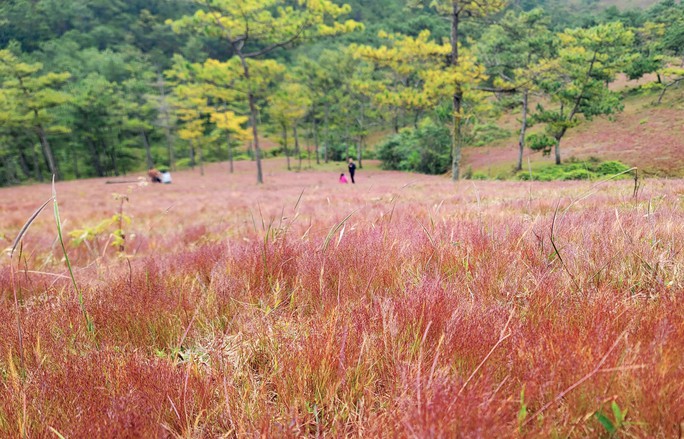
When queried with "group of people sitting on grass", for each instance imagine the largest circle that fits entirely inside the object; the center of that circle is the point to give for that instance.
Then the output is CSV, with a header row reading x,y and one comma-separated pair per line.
x,y
159,175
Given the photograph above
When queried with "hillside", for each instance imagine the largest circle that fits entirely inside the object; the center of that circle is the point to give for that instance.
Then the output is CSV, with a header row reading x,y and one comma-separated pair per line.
x,y
644,135
585,5
628,4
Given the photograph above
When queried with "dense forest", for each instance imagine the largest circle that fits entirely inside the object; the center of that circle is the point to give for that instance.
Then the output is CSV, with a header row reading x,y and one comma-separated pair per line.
x,y
107,87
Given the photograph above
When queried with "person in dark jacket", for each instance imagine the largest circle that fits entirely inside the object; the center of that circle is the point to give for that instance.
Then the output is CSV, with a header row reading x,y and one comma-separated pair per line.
x,y
352,169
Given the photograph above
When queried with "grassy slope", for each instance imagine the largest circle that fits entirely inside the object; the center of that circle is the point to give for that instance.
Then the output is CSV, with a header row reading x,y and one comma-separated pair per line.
x,y
643,135
628,4
602,4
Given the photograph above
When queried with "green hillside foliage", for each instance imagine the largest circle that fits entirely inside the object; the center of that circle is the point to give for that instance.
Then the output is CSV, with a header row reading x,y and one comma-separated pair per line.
x,y
424,149
577,170
94,88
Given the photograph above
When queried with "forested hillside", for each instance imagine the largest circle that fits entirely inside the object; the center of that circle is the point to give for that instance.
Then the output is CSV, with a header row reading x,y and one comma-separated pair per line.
x,y
107,87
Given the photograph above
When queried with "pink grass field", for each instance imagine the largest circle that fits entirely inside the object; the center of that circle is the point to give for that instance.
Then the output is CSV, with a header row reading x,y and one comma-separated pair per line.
x,y
402,306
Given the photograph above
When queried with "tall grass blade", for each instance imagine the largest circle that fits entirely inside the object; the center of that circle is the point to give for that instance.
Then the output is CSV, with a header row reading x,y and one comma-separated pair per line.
x,y
555,249
56,433
26,226
334,230
15,243
299,199
58,221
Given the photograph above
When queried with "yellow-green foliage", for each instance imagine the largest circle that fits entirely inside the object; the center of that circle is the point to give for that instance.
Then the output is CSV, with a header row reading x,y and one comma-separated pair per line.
x,y
270,21
415,75
26,95
471,7
110,230
290,103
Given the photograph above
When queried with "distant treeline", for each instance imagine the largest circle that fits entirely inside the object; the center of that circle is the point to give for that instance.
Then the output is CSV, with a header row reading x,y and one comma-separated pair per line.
x,y
105,87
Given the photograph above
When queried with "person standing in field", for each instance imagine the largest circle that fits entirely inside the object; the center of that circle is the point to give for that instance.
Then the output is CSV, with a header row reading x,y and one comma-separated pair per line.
x,y
352,169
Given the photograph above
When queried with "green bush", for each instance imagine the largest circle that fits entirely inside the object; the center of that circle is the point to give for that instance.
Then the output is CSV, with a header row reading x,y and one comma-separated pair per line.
x,y
578,174
338,152
611,168
575,170
369,154
425,149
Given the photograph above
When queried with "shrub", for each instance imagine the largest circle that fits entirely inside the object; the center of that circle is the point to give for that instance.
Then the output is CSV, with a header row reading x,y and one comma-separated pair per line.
x,y
575,170
540,142
611,168
425,149
369,154
389,152
577,174
338,152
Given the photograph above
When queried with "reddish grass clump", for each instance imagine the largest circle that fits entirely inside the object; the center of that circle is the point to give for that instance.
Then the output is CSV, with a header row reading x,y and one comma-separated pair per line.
x,y
401,306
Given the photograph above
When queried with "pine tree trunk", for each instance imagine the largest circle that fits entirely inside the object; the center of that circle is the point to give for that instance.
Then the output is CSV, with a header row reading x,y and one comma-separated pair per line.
x,y
346,142
201,160
23,162
457,97
148,152
167,123
253,117
309,139
358,152
95,154
298,151
326,141
523,128
287,154
36,165
230,152
47,150
362,123
111,153
315,135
